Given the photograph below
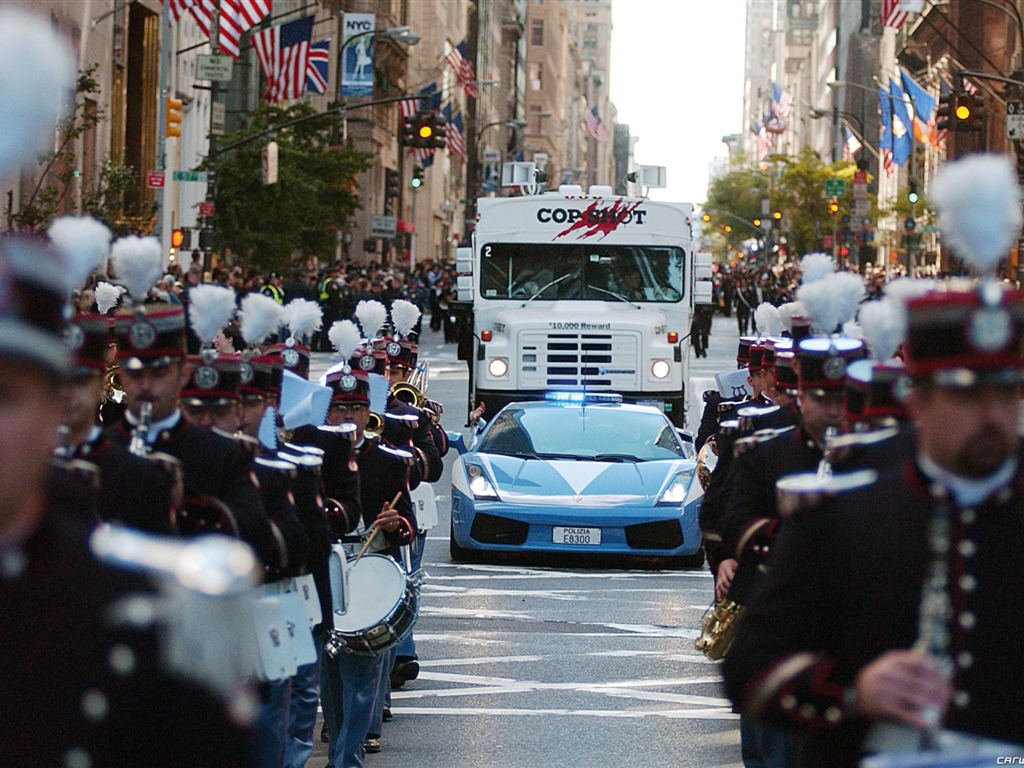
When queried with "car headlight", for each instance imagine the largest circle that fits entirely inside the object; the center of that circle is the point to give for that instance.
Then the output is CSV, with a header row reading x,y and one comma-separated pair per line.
x,y
498,367
660,369
676,491
479,485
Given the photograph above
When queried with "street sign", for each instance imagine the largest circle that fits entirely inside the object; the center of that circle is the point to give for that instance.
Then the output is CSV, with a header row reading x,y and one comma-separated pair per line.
x,y
383,226
155,179
189,176
206,208
213,67
217,125
1015,108
826,241
860,177
860,191
861,208
835,188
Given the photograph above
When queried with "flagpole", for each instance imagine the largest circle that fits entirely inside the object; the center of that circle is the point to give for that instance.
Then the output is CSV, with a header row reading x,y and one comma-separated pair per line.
x,y
211,157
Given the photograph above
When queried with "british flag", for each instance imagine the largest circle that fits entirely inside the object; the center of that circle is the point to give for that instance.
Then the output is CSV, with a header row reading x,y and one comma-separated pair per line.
x,y
283,53
235,19
317,65
458,60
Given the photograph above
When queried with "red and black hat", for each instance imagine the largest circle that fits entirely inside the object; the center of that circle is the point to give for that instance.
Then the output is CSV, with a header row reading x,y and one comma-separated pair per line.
x,y
402,353
348,384
823,363
787,380
743,351
801,330
32,299
371,358
755,360
875,391
964,338
88,338
213,377
150,335
261,376
294,356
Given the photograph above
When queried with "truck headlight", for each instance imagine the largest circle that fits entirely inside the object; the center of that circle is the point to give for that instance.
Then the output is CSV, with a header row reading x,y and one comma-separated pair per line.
x,y
660,369
498,367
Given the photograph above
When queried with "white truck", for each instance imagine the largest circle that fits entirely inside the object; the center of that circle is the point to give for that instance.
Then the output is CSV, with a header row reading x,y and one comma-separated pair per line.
x,y
579,291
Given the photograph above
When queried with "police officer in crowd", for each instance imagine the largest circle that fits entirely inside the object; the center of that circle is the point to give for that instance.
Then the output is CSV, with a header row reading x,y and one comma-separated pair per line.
x,y
91,692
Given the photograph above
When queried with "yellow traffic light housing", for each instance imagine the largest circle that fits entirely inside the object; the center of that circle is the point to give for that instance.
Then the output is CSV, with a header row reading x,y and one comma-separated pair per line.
x,y
757,222
777,215
706,217
833,206
172,117
177,238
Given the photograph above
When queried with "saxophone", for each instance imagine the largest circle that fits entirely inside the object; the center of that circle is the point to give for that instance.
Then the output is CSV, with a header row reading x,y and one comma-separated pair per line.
x,y
718,628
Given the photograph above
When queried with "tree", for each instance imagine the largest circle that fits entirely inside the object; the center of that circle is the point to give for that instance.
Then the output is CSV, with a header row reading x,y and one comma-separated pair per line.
x,y
316,191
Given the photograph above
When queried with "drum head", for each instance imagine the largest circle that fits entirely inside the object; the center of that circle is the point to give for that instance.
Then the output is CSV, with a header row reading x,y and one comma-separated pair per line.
x,y
377,586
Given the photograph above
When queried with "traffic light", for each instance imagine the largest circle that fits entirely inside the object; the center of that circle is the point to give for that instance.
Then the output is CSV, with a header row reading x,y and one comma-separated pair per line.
x,y
912,196
417,178
424,131
408,137
440,128
181,238
833,206
970,112
172,117
777,215
391,182
757,222
947,106
706,217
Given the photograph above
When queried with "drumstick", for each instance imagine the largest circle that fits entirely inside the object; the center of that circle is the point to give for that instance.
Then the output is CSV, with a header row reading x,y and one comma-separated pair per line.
x,y
375,530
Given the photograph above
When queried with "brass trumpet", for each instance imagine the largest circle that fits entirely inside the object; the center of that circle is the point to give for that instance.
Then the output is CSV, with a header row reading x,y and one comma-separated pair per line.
x,y
374,425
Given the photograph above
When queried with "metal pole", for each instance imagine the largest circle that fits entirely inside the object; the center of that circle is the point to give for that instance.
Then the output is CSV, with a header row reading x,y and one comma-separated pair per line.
x,y
412,235
161,138
211,158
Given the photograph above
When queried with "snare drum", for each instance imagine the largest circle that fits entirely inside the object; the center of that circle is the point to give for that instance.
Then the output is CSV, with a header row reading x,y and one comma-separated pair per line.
x,y
379,609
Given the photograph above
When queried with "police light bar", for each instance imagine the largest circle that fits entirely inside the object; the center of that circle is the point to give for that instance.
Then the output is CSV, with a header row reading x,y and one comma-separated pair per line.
x,y
577,398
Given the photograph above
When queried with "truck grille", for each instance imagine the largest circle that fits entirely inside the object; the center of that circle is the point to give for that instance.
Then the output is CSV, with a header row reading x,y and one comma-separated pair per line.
x,y
568,359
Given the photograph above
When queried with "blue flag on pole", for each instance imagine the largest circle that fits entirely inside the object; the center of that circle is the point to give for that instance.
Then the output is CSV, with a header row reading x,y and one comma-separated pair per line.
x,y
924,110
902,143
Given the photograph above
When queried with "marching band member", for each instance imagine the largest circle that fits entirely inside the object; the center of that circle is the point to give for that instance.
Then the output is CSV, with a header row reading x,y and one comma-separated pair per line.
x,y
353,685
92,693
887,615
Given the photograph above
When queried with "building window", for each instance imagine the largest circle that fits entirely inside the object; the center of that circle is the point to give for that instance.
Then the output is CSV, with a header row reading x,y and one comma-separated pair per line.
x,y
537,32
535,70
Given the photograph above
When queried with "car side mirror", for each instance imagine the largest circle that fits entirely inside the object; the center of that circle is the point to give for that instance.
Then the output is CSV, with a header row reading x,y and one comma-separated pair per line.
x,y
458,440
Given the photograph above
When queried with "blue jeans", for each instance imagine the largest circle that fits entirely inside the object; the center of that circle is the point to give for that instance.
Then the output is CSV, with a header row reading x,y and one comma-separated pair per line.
x,y
347,684
302,713
408,646
271,732
766,746
381,692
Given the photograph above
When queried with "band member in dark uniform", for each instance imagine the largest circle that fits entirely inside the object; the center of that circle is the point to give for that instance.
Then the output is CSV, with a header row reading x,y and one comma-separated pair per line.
x,y
886,623
88,693
131,490
350,682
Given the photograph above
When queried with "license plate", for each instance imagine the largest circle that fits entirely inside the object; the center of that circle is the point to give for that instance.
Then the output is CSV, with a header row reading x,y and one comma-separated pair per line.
x,y
579,536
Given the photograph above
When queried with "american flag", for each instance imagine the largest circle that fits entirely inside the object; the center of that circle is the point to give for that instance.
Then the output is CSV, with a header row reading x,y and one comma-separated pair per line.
x,y
454,136
458,59
408,107
178,7
970,87
316,66
595,127
283,53
236,18
893,14
782,101
764,143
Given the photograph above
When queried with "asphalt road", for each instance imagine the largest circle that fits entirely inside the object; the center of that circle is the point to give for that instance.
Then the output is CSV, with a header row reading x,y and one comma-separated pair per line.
x,y
535,664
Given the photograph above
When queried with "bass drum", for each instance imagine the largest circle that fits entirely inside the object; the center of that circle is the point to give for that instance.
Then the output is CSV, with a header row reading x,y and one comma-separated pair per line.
x,y
379,609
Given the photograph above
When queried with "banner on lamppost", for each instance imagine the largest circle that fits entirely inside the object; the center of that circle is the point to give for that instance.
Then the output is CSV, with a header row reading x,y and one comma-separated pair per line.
x,y
491,171
357,55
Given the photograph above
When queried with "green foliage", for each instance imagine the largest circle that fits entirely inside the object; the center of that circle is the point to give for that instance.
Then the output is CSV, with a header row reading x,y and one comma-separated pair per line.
x,y
316,191
106,200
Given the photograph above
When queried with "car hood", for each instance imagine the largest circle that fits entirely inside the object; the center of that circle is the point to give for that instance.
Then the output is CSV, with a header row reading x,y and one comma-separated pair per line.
x,y
598,483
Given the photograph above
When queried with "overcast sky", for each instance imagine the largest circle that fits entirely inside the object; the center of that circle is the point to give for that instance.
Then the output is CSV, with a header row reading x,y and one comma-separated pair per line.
x,y
677,81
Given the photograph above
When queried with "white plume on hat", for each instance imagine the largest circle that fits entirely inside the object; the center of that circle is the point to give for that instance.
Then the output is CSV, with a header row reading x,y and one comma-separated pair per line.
x,y
816,266
371,316
978,201
833,300
37,71
903,289
767,319
85,243
885,325
345,338
259,317
137,262
404,316
788,311
302,317
107,296
210,308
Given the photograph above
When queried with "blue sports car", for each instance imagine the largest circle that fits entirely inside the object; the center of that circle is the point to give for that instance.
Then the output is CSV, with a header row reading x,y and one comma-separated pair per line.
x,y
579,474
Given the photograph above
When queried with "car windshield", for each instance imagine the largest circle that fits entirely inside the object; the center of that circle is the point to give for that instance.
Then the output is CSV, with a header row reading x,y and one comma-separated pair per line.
x,y
647,273
602,433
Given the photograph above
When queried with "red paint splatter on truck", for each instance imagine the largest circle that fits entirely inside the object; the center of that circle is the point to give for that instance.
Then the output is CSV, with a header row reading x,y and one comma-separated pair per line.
x,y
601,221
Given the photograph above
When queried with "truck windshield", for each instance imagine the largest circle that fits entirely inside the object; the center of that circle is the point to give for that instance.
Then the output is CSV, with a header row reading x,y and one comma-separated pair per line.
x,y
635,273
